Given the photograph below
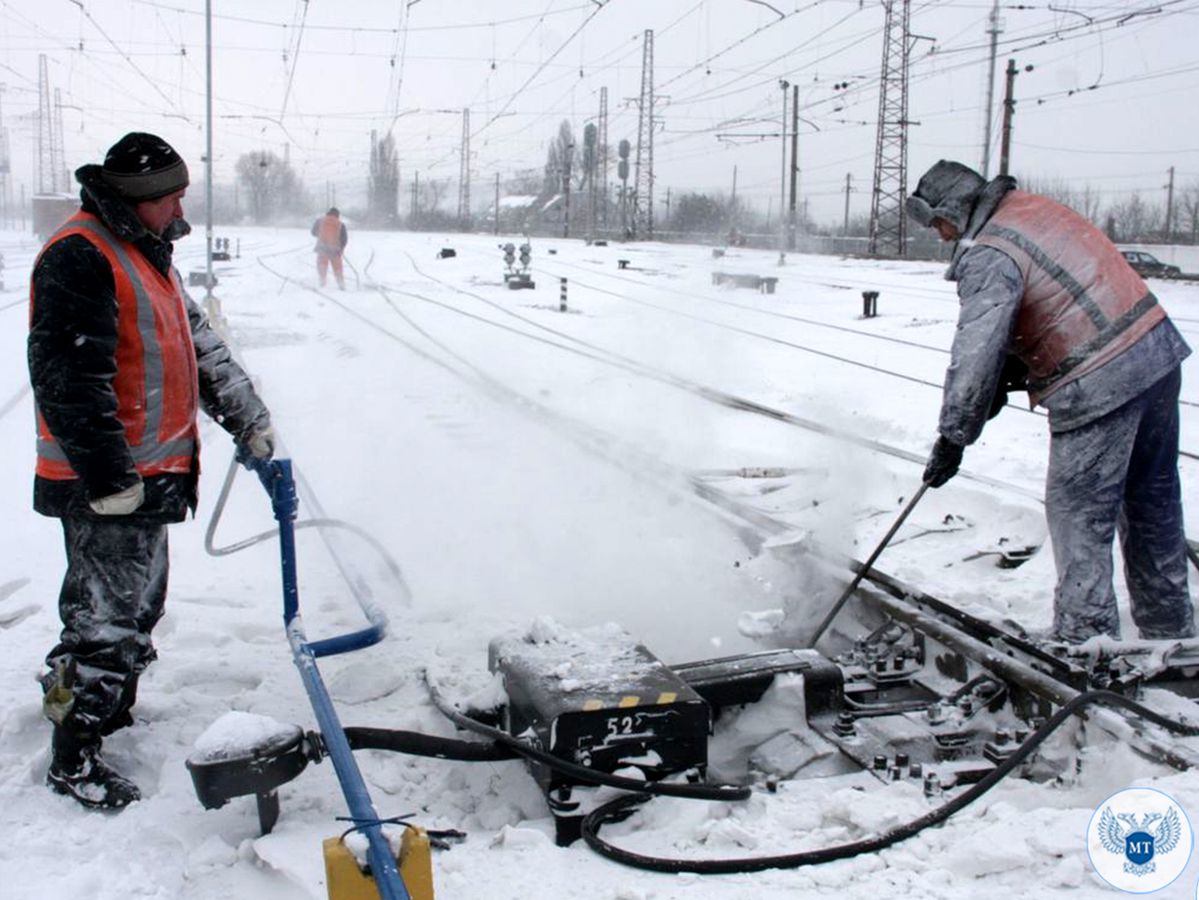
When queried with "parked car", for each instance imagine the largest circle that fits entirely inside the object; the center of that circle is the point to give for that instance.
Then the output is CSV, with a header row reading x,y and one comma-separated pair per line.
x,y
1149,265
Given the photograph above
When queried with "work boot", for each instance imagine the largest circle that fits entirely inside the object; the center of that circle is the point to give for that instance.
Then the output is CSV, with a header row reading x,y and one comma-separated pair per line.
x,y
78,770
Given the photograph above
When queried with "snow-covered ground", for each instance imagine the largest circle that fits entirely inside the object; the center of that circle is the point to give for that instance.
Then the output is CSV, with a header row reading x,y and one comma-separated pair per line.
x,y
520,464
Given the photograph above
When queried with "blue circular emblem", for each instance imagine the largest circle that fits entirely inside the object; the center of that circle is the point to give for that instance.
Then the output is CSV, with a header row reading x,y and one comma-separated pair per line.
x,y
1139,840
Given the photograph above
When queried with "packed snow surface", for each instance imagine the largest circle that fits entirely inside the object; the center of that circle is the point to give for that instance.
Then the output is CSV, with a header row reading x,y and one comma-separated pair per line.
x,y
502,465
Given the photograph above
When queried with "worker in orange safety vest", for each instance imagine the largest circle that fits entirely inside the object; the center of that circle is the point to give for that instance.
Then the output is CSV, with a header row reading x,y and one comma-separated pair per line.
x,y
121,362
331,239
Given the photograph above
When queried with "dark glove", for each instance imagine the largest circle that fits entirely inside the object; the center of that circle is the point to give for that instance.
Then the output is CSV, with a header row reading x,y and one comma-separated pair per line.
x,y
998,402
943,462
1013,377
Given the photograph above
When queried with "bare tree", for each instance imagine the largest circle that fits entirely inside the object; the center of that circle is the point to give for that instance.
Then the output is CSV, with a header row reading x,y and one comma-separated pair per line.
x,y
432,191
1085,200
1188,202
271,184
1133,219
428,216
384,184
526,181
560,159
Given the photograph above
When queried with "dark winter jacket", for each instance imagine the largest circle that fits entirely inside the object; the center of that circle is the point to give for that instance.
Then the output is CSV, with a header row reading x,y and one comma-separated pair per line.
x,y
72,344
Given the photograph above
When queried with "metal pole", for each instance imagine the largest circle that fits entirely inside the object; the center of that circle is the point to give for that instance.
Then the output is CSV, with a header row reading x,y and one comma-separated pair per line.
x,y
783,179
277,478
1009,106
857,579
794,164
570,149
1170,207
993,31
845,228
208,154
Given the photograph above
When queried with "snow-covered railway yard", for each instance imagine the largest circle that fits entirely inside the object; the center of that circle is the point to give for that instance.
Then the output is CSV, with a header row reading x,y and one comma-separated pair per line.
x,y
519,462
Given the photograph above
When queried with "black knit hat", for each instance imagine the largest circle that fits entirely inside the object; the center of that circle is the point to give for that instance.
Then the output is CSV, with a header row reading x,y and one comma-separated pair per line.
x,y
143,167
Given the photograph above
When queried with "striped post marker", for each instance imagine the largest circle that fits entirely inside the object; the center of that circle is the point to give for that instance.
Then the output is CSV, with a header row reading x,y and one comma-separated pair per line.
x,y
562,295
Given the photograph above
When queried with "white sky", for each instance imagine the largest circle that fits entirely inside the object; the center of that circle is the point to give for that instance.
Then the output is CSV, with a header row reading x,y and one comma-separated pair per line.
x,y
316,77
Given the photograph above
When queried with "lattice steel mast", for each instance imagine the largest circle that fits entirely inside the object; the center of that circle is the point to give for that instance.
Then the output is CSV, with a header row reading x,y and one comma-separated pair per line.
x,y
643,172
47,173
5,166
888,224
464,172
62,177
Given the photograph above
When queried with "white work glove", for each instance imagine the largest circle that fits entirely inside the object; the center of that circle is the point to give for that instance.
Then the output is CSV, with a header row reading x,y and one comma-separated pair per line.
x,y
261,444
122,503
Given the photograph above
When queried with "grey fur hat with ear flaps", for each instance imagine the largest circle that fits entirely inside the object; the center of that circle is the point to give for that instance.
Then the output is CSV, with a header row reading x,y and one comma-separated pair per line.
x,y
947,191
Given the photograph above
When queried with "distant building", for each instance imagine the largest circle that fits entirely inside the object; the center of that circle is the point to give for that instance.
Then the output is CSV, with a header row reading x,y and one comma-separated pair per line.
x,y
516,212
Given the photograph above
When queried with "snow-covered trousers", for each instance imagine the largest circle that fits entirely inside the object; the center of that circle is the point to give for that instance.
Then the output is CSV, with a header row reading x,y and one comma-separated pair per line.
x,y
111,598
322,267
1120,472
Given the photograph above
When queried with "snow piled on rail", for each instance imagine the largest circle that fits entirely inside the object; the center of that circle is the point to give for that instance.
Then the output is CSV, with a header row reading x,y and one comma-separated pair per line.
x,y
524,466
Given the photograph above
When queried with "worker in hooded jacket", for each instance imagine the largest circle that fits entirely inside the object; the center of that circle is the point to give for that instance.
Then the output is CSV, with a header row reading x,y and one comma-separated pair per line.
x,y
1049,305
121,360
331,239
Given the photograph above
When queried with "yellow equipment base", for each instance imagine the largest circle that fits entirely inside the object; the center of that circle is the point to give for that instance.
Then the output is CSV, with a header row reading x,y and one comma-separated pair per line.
x,y
346,881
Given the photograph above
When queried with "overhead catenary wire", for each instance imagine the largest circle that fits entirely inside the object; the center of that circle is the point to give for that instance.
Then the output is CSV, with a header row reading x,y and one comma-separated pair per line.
x,y
158,90
365,29
295,58
600,6
521,134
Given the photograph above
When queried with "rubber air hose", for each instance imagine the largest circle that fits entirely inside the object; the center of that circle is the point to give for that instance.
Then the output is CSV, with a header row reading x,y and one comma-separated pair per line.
x,y
417,744
622,807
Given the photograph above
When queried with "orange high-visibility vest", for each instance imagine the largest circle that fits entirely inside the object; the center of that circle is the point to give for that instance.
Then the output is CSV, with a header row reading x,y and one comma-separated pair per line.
x,y
328,235
156,382
1083,304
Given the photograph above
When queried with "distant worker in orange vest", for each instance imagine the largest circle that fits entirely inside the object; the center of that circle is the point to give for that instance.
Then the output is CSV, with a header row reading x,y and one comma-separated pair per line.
x,y
331,239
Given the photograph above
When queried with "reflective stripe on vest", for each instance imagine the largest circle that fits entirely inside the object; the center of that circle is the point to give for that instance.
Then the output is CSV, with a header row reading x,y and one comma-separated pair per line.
x,y
1082,304
151,450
